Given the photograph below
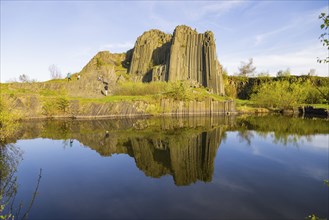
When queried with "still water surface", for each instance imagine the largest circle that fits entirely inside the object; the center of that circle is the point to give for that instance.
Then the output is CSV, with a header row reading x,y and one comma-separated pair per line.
x,y
269,167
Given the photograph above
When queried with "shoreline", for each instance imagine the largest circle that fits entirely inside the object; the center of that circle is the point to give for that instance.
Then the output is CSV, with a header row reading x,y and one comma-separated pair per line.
x,y
123,116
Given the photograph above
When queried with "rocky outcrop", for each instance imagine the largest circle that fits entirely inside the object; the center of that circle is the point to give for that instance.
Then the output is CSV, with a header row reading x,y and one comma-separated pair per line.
x,y
151,49
103,59
187,55
193,57
104,64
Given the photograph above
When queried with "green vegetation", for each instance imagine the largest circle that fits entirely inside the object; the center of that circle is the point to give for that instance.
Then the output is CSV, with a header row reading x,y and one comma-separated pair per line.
x,y
58,105
8,121
140,89
324,37
285,129
180,90
280,94
284,92
62,98
248,107
314,217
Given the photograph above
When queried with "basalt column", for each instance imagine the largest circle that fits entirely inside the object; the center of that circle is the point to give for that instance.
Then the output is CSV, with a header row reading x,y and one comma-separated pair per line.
x,y
151,49
193,57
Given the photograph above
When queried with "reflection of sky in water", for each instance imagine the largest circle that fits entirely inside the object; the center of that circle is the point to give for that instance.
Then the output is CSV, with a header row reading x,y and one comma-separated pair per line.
x,y
263,179
306,156
283,179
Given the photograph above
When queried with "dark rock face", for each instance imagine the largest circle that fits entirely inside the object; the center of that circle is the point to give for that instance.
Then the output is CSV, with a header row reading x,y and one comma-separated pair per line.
x,y
151,49
187,55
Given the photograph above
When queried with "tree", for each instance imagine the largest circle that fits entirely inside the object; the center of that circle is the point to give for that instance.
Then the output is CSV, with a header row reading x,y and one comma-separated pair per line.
x,y
247,68
281,94
324,37
24,78
264,74
311,72
284,73
55,73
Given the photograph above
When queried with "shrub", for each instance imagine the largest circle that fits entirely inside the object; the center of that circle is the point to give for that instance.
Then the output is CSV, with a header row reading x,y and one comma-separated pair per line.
x,y
8,120
62,104
140,89
49,108
281,94
179,90
55,105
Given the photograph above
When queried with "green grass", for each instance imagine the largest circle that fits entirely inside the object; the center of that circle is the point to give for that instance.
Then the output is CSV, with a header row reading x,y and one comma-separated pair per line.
x,y
248,103
241,102
48,92
247,106
58,80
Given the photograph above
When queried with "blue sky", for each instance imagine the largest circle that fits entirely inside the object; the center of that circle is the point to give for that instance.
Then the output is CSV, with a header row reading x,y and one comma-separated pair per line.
x,y
276,34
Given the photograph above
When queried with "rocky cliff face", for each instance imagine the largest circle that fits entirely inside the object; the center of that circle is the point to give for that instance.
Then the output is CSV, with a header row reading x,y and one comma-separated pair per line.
x,y
104,64
187,55
193,57
151,49
157,56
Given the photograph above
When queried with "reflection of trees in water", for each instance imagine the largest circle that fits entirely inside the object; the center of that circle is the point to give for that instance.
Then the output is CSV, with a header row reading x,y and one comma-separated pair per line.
x,y
282,129
9,160
245,135
10,157
183,148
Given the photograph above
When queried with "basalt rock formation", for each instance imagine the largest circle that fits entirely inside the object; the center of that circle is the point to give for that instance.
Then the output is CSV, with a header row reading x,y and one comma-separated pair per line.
x,y
193,57
186,55
151,49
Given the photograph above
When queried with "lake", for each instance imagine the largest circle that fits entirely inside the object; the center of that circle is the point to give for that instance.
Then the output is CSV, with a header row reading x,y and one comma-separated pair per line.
x,y
255,167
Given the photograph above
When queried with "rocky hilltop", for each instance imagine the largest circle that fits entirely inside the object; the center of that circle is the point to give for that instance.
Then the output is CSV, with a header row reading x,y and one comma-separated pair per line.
x,y
186,55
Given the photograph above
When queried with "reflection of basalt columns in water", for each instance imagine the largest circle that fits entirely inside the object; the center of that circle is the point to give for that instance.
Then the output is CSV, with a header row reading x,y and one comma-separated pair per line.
x,y
187,158
193,158
183,148
154,162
